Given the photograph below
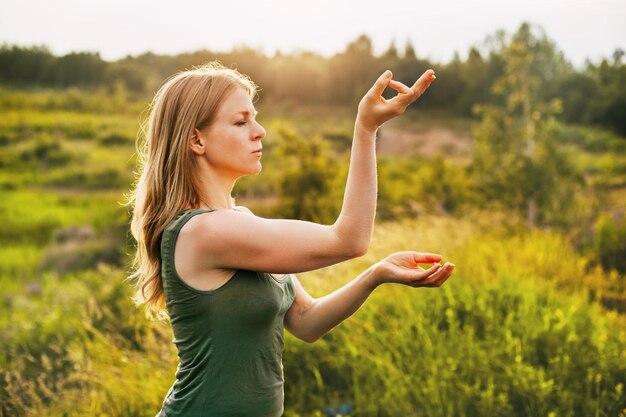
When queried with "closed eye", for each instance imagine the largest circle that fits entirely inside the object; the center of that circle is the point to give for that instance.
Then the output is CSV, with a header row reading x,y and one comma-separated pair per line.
x,y
247,115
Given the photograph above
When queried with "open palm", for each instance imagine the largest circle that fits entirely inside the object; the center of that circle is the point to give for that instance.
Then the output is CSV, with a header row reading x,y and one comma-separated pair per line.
x,y
404,268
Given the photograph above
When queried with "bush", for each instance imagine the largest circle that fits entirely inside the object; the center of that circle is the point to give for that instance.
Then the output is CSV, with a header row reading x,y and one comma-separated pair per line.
x,y
507,348
45,152
87,178
114,139
76,248
69,346
610,243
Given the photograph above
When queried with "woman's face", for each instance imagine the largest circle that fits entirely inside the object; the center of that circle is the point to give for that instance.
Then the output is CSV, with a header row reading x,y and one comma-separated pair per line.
x,y
233,141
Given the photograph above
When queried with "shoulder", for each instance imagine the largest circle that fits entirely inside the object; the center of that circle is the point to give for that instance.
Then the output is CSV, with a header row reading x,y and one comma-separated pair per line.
x,y
232,239
211,221
244,209
221,225
217,218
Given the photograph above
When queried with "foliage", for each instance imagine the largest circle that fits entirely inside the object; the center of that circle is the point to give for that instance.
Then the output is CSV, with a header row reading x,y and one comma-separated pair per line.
x,y
607,105
497,339
610,243
67,348
595,94
515,143
310,185
531,323
415,186
504,348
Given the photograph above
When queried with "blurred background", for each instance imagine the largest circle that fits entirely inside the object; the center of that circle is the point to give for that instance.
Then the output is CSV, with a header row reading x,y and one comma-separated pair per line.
x,y
512,165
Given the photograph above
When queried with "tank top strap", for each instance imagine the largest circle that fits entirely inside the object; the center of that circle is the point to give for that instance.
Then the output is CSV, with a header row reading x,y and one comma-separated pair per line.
x,y
185,215
170,234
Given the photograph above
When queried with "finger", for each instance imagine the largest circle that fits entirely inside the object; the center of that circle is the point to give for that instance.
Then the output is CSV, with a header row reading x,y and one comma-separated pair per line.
x,y
426,258
429,280
381,83
422,274
438,278
423,82
433,276
438,283
400,88
405,95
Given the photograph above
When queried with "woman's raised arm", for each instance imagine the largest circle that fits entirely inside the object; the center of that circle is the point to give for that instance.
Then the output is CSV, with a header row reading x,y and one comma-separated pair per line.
x,y
356,220
228,239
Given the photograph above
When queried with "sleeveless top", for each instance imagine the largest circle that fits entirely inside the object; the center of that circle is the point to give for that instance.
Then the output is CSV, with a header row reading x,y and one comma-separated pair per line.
x,y
229,340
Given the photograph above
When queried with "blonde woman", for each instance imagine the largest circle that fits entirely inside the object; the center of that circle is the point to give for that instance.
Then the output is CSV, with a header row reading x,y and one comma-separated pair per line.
x,y
224,276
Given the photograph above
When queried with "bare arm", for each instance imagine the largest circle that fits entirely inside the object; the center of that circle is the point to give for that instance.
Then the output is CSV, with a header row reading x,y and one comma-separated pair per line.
x,y
234,240
309,318
356,219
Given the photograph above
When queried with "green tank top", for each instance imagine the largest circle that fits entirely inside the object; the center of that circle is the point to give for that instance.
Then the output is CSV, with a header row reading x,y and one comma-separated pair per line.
x,y
229,340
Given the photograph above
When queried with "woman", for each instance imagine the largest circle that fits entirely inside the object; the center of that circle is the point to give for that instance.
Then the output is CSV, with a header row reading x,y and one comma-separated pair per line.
x,y
225,276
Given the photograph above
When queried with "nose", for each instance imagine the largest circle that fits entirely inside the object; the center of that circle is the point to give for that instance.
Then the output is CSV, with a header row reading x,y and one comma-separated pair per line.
x,y
259,133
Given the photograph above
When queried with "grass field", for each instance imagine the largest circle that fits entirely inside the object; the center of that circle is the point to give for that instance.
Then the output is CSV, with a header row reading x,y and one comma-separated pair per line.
x,y
522,328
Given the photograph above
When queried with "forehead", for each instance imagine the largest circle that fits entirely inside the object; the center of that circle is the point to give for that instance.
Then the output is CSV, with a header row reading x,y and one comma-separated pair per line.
x,y
237,101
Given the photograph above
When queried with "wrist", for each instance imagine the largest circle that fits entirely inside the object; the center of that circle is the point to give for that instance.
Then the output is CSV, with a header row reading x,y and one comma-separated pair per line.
x,y
371,277
365,129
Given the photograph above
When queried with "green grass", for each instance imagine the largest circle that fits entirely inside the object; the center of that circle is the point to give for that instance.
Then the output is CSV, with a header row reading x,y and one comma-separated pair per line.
x,y
32,216
511,333
519,329
503,348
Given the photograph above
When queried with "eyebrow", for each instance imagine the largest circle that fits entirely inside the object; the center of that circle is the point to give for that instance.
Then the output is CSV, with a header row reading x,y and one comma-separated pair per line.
x,y
246,112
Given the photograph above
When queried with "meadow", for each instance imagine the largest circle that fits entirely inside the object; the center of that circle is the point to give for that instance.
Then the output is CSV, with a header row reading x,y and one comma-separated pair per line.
x,y
532,323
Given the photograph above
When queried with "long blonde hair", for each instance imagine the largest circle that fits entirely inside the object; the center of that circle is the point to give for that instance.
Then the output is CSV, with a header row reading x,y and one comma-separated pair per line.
x,y
167,182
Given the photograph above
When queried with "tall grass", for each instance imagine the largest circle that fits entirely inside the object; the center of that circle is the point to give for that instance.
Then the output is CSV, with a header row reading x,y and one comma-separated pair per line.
x,y
512,333
506,348
517,331
509,334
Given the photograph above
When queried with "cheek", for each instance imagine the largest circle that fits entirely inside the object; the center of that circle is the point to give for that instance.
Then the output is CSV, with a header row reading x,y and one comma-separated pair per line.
x,y
228,148
219,142
232,155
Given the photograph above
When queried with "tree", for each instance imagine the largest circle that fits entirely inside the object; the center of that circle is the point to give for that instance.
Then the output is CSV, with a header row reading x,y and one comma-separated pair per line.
x,y
392,52
352,72
610,243
409,51
516,161
24,65
79,68
608,106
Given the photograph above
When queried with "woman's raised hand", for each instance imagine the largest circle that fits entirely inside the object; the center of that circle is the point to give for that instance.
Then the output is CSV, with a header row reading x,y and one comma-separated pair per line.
x,y
404,268
374,109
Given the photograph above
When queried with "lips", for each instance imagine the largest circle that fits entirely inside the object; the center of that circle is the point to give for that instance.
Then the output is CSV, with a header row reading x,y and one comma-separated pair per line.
x,y
258,150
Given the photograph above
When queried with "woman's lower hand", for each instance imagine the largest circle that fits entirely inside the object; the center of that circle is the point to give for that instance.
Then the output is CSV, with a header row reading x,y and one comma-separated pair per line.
x,y
404,268
374,109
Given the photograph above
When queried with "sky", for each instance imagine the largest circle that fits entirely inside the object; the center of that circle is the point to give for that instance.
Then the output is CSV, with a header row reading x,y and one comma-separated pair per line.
x,y
582,29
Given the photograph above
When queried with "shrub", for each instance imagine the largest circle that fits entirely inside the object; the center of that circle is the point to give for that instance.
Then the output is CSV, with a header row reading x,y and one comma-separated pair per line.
x,y
76,248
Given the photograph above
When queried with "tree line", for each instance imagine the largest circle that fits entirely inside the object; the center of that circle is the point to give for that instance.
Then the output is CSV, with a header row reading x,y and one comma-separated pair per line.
x,y
593,95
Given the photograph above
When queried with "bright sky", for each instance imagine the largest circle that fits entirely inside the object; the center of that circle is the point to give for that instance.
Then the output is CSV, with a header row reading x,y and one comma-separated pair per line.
x,y
581,28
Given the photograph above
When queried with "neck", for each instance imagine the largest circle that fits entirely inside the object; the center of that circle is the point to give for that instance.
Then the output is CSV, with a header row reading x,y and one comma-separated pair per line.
x,y
216,190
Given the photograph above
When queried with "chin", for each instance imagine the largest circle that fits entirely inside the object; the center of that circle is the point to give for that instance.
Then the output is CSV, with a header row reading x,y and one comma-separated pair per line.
x,y
253,171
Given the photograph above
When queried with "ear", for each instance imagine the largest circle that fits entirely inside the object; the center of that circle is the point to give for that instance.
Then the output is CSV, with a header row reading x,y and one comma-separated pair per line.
x,y
196,144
